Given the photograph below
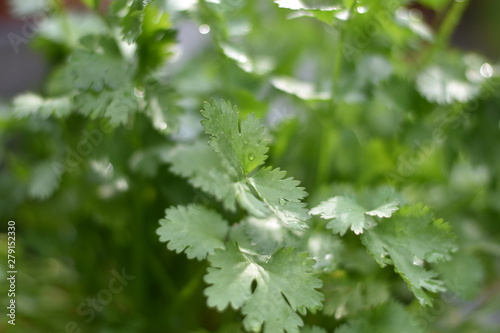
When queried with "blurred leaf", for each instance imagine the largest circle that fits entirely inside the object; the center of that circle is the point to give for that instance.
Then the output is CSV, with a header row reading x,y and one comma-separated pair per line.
x,y
446,85
92,71
406,241
31,104
347,214
44,181
302,89
30,7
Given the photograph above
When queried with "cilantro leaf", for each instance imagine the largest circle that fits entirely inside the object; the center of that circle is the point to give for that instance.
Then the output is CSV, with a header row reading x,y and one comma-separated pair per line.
x,y
30,7
131,22
116,105
456,80
241,146
282,196
284,285
203,168
44,181
93,71
302,89
348,214
31,104
406,241
194,229
267,234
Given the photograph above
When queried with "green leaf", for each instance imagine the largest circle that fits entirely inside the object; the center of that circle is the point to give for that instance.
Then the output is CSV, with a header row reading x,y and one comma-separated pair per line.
x,y
194,229
282,195
267,235
327,12
131,22
241,146
302,89
44,181
156,40
259,65
390,317
323,247
348,214
116,105
31,104
291,4
374,69
204,170
304,5
30,7
446,85
407,240
93,71
242,149
284,286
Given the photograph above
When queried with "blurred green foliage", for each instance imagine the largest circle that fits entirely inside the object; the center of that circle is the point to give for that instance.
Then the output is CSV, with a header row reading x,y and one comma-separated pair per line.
x,y
354,96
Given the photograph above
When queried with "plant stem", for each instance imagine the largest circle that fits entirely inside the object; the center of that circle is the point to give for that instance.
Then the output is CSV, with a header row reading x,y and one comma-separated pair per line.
x,y
451,21
448,26
325,145
337,65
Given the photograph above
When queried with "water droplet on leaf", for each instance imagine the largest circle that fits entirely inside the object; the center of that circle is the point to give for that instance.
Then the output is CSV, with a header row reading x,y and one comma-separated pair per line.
x,y
486,70
204,29
418,262
251,156
138,93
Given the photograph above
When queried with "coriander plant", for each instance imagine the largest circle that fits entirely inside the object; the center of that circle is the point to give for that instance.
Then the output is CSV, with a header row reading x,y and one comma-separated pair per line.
x,y
342,175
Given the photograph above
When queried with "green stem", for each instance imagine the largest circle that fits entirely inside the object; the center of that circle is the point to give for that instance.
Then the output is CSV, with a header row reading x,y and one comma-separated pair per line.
x,y
326,143
337,64
448,26
325,149
61,9
451,21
